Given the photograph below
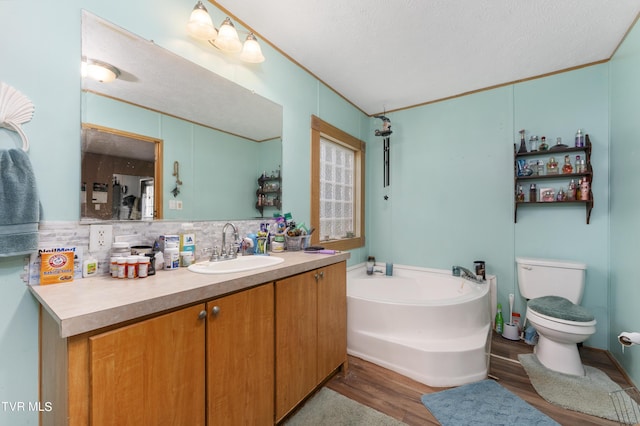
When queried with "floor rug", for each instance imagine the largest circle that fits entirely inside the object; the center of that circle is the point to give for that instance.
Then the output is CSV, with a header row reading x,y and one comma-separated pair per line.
x,y
587,394
483,403
329,408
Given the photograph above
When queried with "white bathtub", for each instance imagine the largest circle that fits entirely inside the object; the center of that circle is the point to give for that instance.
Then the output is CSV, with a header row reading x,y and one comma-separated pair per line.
x,y
423,323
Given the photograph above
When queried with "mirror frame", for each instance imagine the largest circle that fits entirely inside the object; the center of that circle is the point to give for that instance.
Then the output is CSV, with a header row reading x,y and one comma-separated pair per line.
x,y
157,167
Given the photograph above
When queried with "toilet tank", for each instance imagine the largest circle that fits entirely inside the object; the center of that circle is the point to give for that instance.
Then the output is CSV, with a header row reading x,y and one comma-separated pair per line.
x,y
548,277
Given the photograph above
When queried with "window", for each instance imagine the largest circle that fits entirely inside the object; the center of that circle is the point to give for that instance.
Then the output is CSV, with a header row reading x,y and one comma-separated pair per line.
x,y
337,187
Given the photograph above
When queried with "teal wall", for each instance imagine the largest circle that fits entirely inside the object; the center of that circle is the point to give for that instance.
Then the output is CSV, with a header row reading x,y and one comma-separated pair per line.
x,y
624,314
40,47
451,194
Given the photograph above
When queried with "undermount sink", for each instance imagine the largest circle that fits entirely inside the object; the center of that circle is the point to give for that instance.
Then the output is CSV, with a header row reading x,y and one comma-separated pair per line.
x,y
240,264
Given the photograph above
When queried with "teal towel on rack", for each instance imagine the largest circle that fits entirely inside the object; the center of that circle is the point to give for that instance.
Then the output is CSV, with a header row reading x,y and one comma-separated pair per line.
x,y
19,204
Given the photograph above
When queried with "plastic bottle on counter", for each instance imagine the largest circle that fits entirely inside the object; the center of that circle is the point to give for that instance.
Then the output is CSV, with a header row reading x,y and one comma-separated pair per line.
x,y
171,257
114,266
89,267
122,267
132,267
499,320
143,266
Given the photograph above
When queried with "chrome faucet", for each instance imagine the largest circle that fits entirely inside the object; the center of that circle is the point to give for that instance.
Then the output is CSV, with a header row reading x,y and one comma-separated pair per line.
x,y
233,248
460,271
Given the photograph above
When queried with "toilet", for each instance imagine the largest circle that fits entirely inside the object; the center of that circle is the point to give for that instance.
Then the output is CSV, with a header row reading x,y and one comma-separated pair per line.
x,y
554,289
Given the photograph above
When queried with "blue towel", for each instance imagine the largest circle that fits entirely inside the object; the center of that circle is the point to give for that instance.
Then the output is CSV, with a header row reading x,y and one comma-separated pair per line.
x,y
19,204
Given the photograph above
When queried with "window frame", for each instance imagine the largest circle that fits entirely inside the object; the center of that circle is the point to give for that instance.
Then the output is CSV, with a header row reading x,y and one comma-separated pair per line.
x,y
321,128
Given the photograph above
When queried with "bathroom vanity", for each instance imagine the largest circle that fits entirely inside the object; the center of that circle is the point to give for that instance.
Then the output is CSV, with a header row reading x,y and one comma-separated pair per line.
x,y
184,348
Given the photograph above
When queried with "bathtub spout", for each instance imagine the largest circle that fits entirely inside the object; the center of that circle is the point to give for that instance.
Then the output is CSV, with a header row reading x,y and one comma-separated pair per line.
x,y
466,274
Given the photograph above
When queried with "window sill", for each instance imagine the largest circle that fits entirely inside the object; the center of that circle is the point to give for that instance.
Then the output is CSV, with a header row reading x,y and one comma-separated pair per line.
x,y
342,245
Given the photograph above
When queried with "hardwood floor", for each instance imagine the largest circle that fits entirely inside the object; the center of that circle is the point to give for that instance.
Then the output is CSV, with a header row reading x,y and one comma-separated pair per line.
x,y
399,396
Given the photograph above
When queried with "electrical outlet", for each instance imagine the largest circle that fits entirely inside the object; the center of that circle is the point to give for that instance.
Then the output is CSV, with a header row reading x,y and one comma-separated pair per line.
x,y
100,237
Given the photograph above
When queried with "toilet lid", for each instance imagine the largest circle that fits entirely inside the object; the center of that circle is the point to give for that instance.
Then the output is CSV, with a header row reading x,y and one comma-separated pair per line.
x,y
561,308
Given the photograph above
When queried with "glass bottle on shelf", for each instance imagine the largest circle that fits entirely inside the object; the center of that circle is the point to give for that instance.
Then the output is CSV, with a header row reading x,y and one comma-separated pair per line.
x,y
543,144
523,145
552,166
533,193
581,166
579,139
533,143
562,196
571,192
540,167
584,190
567,167
520,194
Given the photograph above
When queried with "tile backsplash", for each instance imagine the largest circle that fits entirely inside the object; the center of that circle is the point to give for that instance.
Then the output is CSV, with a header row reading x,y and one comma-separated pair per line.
x,y
208,234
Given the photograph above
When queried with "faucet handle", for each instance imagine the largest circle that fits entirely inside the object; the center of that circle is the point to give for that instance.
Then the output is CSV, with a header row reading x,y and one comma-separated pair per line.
x,y
216,253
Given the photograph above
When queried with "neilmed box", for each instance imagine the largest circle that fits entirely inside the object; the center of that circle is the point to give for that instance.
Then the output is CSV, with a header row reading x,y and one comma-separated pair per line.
x,y
187,243
163,240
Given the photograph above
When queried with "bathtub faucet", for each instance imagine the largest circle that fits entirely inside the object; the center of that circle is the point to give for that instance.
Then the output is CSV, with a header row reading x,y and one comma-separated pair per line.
x,y
460,271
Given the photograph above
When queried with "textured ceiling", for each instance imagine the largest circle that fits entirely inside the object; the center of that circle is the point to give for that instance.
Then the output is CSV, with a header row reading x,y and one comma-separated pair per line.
x,y
385,55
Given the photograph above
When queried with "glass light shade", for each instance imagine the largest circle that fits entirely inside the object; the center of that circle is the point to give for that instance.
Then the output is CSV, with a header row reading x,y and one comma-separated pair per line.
x,y
200,25
99,71
227,39
251,51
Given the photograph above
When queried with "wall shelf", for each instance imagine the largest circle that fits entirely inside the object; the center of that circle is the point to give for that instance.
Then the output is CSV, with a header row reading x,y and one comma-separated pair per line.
x,y
554,152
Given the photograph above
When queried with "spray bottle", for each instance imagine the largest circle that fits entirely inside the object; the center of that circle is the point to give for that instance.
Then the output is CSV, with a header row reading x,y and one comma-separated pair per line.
x,y
499,320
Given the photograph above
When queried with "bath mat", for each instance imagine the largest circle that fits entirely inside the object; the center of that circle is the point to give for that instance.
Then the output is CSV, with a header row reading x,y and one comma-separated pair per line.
x,y
329,408
587,394
483,403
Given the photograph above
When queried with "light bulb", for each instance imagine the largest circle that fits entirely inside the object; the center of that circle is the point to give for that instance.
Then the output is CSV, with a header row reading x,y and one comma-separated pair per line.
x,y
251,51
227,39
200,25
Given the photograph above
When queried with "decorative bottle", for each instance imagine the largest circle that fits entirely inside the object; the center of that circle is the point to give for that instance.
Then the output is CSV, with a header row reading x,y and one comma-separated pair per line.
x,y
552,166
578,189
584,190
523,145
499,320
571,193
543,144
533,193
520,194
579,139
567,168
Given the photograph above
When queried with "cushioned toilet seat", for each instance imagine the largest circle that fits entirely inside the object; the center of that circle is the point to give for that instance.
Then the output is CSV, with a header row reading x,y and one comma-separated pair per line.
x,y
559,308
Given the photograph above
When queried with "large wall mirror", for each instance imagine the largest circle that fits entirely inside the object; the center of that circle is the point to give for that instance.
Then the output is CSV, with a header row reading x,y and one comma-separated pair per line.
x,y
161,112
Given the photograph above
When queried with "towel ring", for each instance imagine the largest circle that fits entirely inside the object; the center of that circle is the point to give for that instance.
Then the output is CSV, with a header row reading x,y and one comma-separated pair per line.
x,y
15,110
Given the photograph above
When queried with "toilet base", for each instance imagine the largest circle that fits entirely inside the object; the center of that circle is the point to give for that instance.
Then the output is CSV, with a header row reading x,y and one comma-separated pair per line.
x,y
561,357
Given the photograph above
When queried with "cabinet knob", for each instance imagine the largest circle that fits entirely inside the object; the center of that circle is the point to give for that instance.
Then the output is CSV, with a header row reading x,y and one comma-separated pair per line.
x,y
215,310
321,274
316,276
202,314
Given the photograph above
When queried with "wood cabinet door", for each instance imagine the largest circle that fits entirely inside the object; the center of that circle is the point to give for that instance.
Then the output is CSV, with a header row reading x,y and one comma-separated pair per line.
x,y
296,334
332,318
151,372
240,358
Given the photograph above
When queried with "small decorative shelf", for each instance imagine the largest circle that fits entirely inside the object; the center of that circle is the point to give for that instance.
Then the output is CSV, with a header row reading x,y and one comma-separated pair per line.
x,y
588,175
269,193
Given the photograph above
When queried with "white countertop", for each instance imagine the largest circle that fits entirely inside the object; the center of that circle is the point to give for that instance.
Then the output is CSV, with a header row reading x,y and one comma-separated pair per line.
x,y
92,303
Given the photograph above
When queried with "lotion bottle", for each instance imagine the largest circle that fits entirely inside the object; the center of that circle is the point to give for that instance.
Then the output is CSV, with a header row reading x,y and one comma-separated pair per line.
x,y
89,267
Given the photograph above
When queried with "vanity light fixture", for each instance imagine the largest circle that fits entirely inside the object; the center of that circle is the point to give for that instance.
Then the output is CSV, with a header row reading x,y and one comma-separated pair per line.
x,y
225,38
200,25
99,71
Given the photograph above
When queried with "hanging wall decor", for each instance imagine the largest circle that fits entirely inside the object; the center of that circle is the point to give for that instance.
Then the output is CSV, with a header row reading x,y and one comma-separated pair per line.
x,y
15,110
385,132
